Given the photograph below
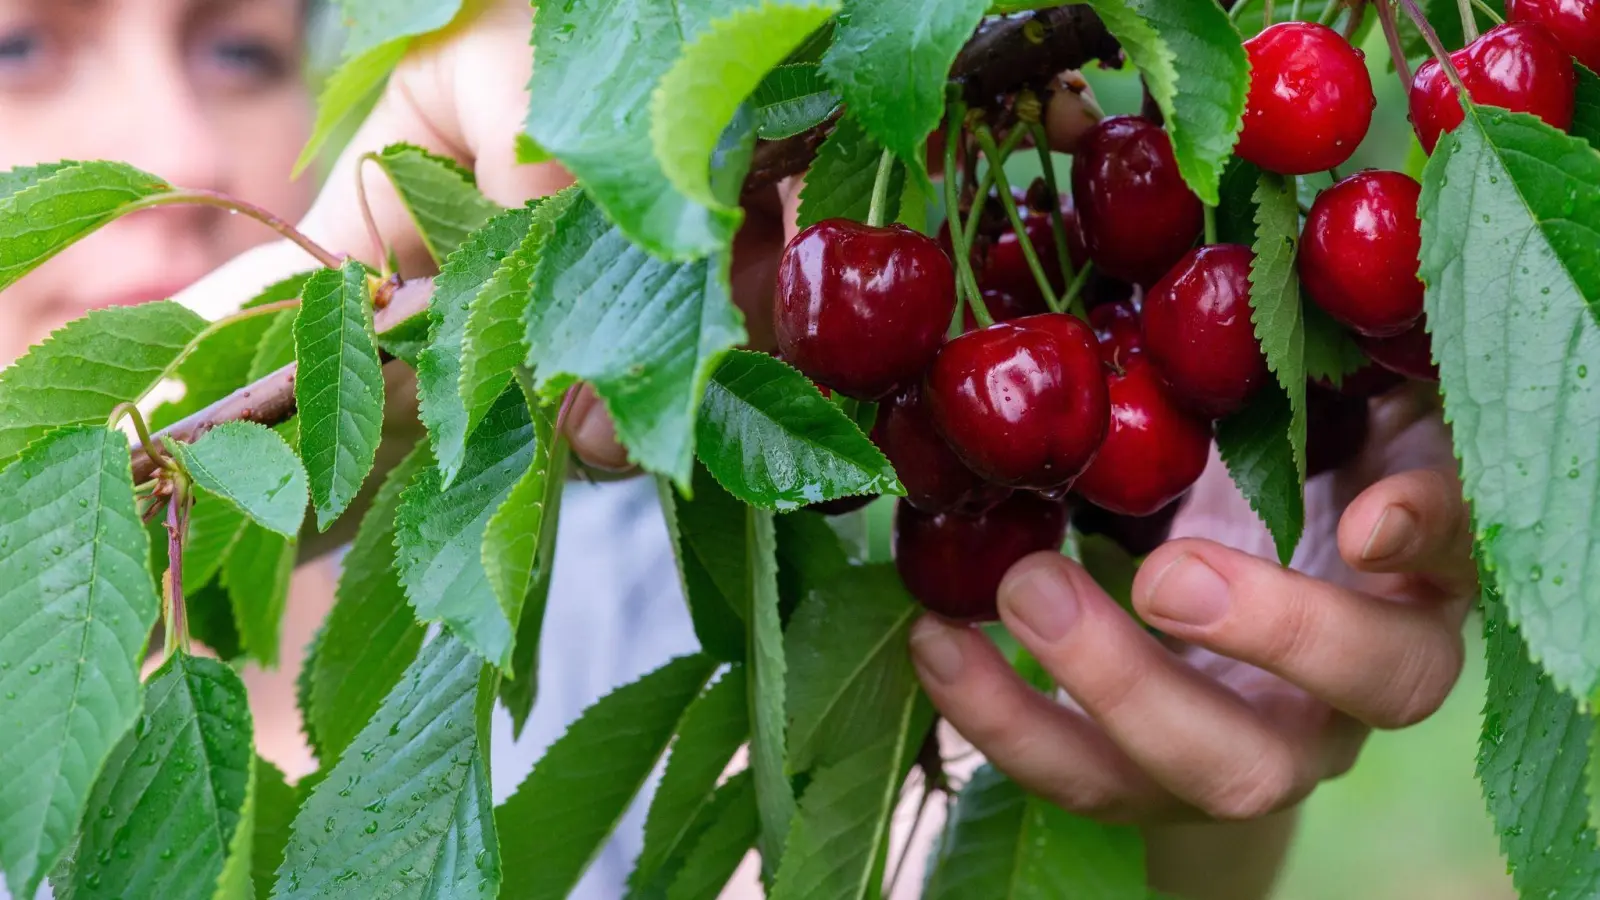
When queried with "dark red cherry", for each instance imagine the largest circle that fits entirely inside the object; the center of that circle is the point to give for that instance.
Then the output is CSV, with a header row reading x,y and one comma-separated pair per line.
x,y
1574,23
1117,326
935,479
1138,535
1137,215
842,506
1154,452
1519,66
1336,428
1023,403
1358,254
1006,269
1310,99
1368,381
953,564
1197,330
1004,306
862,309
1409,353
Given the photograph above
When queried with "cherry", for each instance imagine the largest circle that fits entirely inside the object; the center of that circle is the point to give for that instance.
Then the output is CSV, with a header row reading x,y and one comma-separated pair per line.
x,y
1116,324
862,309
1310,99
1006,269
1574,23
1197,330
1022,403
1137,215
935,479
1358,255
1004,306
1409,353
1336,428
1519,66
1154,452
953,564
1138,535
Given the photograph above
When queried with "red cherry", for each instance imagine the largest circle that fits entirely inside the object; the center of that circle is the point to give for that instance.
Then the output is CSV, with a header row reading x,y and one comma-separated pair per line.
x,y
1137,215
1358,255
1116,324
1310,99
862,309
1519,66
953,564
1023,403
1004,306
1138,535
935,479
1336,429
1409,353
1197,330
1006,269
1574,23
1154,452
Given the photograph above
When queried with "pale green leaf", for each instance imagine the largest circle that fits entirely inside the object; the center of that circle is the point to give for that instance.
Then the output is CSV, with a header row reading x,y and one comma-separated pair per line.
x,y
374,22
256,576
773,441
1586,107
338,387
441,196
50,214
792,98
276,803
276,349
1275,300
349,89
164,812
252,468
76,607
235,881
769,758
645,333
85,369
214,528
1331,351
839,185
732,824
560,817
1254,443
708,541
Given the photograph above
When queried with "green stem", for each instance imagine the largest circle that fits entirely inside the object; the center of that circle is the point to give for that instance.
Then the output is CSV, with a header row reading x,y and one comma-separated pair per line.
x,y
1397,53
1233,14
1294,11
880,190
1058,223
967,293
1469,22
1073,300
176,633
1211,224
1330,11
1266,15
142,429
1489,11
234,204
987,182
1009,203
1358,14
1436,46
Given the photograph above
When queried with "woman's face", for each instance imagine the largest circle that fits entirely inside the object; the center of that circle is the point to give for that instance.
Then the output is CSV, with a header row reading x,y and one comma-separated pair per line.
x,y
203,93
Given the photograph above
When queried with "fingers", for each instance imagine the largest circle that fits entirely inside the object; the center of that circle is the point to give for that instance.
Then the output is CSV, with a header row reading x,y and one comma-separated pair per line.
x,y
1199,740
1413,522
591,433
1388,664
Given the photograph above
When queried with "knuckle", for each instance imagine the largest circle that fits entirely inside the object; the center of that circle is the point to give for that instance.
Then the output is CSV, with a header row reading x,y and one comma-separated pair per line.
x,y
1117,688
1267,783
1423,678
1286,633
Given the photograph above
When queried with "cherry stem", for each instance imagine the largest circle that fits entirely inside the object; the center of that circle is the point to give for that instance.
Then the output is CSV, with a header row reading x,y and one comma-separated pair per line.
x,y
223,201
142,429
1266,15
1358,14
1437,47
928,790
1211,224
997,165
880,190
966,283
1489,11
1073,300
1330,11
378,246
1397,53
1238,7
987,182
1294,11
1469,22
1058,222
177,624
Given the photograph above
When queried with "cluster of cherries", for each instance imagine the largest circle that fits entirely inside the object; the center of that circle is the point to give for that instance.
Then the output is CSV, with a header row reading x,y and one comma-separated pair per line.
x,y
992,430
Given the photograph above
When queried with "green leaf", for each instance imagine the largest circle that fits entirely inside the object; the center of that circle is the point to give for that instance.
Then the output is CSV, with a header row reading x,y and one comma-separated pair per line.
x,y
1275,300
722,65
1254,443
405,340
1531,762
645,333
1331,351
49,215
773,441
164,812
370,635
234,882
440,532
842,826
374,22
24,177
769,760
491,345
276,803
708,541
1236,209
84,370
1586,110
714,726
1196,70
790,99
214,528
441,195
579,790
75,615
839,184
405,813
256,576
1510,263
338,388
733,824
210,612
849,664
892,76
276,349
466,273
348,90
252,468
1003,844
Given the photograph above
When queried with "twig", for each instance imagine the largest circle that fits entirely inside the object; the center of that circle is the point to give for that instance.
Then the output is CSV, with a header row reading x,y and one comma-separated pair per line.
x,y
220,200
1397,53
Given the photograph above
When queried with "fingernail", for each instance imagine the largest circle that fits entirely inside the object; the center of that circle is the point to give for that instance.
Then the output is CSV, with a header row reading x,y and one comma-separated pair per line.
x,y
937,649
1042,599
1188,592
1391,535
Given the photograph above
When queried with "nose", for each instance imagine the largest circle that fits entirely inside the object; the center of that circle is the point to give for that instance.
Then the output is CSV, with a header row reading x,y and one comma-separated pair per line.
x,y
160,124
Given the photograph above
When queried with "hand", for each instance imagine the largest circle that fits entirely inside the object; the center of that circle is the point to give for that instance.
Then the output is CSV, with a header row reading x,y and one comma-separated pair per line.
x,y
1280,674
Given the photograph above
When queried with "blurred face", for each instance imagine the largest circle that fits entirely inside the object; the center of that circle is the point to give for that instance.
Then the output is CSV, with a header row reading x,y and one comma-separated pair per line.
x,y
203,93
